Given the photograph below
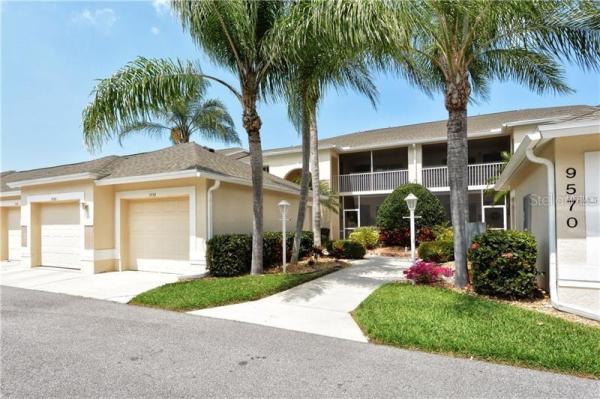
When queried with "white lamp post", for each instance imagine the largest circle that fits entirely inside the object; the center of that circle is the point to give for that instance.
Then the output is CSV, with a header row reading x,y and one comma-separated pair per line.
x,y
411,202
283,208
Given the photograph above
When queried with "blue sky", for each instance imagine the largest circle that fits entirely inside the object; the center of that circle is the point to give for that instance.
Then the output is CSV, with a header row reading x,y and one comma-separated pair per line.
x,y
52,53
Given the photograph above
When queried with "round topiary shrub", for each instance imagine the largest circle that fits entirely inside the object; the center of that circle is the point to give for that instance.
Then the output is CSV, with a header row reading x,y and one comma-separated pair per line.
x,y
503,264
368,236
437,251
391,213
346,249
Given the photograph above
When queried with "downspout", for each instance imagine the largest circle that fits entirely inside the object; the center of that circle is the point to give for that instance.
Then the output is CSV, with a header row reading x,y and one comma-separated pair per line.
x,y
211,189
553,280
414,147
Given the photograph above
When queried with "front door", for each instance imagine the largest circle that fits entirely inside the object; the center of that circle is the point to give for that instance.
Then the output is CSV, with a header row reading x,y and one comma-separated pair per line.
x,y
351,221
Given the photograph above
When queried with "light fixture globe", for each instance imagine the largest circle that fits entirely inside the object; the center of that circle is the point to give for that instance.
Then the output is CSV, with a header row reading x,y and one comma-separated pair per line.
x,y
411,202
283,207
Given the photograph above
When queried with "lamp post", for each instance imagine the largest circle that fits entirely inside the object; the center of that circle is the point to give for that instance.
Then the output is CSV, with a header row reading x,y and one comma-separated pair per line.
x,y
283,208
411,202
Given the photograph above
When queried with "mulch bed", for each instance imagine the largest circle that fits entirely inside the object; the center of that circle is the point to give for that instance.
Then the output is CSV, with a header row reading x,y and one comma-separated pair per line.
x,y
309,266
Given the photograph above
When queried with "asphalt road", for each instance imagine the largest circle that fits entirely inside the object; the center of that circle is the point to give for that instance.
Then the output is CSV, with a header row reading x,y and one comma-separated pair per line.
x,y
55,345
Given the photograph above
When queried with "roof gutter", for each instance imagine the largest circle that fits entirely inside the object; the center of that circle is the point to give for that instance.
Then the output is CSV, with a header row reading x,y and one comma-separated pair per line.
x,y
10,193
54,179
210,191
188,174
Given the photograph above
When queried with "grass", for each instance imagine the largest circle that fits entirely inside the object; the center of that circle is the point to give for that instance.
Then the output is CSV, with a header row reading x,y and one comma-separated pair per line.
x,y
218,291
440,320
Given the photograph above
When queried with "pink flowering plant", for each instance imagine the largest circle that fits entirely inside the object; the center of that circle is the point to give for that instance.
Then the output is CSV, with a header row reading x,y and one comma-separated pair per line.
x,y
422,272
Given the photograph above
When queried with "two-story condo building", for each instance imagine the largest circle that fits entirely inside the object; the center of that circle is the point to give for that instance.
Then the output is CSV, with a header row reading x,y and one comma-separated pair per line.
x,y
364,167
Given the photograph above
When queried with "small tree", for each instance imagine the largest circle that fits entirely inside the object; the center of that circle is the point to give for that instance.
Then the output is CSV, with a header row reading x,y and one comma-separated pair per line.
x,y
392,212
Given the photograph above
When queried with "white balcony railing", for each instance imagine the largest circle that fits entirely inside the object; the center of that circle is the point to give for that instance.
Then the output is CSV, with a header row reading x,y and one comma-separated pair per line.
x,y
369,182
478,175
437,177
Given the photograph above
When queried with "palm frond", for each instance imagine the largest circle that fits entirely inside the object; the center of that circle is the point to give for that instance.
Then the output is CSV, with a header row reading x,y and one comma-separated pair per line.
x,y
151,129
141,88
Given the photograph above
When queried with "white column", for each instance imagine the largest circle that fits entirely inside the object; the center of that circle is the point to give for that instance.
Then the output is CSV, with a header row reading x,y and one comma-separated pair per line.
x,y
415,161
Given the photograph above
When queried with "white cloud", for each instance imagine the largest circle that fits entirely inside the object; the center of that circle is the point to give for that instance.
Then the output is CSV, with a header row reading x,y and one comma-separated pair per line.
x,y
161,6
155,30
102,18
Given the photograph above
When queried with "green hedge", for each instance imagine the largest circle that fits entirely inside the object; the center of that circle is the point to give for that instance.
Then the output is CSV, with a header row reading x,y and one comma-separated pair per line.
x,y
392,212
346,249
230,255
503,263
437,251
368,236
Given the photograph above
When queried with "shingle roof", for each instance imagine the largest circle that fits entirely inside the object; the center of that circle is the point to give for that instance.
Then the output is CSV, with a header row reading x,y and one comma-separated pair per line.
x,y
100,166
436,131
189,156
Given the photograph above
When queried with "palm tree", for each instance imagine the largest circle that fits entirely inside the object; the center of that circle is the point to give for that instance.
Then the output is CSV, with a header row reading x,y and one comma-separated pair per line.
x,y
315,65
234,34
458,48
180,119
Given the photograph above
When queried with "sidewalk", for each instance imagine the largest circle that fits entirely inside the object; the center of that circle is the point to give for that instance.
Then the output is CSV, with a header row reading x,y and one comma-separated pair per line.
x,y
321,306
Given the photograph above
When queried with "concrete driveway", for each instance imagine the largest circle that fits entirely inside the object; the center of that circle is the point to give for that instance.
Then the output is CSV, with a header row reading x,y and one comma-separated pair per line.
x,y
115,286
321,306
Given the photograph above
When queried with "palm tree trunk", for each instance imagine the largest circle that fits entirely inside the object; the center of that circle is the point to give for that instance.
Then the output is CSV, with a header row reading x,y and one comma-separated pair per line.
x,y
303,187
315,175
456,98
252,124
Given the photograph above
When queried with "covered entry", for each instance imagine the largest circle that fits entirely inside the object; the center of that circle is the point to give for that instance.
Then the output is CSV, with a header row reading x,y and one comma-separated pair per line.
x,y
60,235
158,234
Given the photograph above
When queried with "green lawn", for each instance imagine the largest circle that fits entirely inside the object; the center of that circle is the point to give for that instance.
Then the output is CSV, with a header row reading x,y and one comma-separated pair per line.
x,y
217,291
440,320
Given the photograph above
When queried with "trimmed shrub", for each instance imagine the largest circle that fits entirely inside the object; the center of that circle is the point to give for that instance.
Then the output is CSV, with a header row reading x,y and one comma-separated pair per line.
x,y
437,251
428,273
229,255
401,237
503,264
391,213
443,233
346,249
424,234
367,236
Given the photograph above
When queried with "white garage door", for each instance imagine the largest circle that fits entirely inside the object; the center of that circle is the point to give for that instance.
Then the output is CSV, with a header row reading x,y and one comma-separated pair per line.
x,y
60,235
14,233
159,235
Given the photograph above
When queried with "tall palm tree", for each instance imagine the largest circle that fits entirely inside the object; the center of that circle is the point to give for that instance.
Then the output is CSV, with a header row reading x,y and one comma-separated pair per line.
x,y
315,65
458,48
234,34
179,119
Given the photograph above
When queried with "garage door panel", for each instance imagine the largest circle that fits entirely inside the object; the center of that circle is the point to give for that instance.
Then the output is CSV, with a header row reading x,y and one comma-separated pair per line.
x,y
14,233
60,235
159,234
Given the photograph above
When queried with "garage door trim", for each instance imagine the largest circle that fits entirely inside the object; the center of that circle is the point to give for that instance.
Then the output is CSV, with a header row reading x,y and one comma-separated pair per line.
x,y
160,193
85,215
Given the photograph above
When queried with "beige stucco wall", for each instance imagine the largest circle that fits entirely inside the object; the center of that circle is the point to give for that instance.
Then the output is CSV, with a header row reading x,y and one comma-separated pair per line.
x,y
8,203
280,165
532,181
233,210
576,272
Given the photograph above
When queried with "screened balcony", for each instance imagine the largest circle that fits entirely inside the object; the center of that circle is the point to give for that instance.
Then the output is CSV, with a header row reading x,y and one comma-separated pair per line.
x,y
381,171
372,171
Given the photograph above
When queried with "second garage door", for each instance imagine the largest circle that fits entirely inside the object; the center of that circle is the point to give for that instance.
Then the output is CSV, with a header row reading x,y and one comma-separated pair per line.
x,y
159,235
60,235
14,233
